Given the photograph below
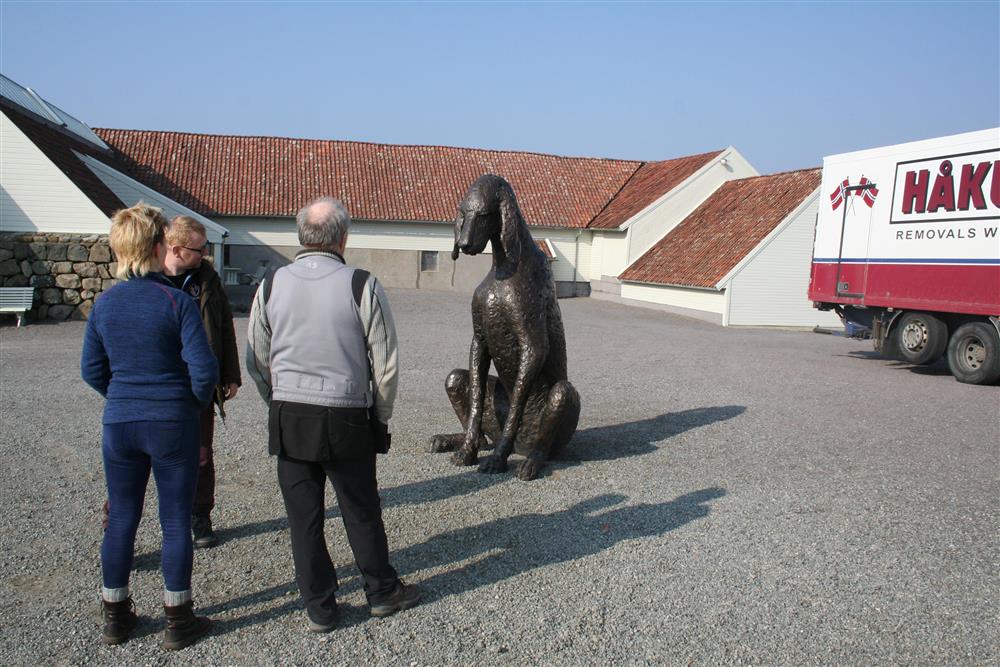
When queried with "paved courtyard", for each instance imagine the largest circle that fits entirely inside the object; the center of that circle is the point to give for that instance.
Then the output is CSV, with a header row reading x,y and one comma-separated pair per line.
x,y
732,496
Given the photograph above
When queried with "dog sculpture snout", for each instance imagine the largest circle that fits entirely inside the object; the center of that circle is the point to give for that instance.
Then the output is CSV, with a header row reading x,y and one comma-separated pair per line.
x,y
461,236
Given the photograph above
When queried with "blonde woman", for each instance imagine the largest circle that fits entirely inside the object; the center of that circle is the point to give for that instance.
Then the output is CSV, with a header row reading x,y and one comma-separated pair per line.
x,y
146,352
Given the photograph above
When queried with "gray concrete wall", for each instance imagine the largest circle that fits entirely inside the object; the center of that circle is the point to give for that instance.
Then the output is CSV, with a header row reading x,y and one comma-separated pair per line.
x,y
607,284
567,289
401,268
394,268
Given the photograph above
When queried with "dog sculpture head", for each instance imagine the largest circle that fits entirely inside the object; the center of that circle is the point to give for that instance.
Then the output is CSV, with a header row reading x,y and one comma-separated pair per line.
x,y
489,212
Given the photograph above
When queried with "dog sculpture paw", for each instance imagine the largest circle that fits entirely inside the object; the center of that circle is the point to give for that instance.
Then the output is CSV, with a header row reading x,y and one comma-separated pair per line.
x,y
530,469
464,457
493,464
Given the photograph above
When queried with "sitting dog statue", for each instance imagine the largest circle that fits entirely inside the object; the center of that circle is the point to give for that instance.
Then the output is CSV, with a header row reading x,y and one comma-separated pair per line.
x,y
531,408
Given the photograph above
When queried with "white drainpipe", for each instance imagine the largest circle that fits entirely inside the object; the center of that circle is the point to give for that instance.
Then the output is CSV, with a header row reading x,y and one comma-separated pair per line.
x,y
576,259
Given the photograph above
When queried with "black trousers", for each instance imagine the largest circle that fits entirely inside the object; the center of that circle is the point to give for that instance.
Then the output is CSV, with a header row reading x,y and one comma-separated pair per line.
x,y
351,470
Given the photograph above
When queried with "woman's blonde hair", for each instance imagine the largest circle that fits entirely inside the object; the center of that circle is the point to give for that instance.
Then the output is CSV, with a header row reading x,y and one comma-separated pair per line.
x,y
134,234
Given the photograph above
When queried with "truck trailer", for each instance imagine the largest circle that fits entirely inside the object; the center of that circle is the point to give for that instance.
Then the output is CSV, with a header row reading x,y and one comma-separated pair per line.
x,y
907,250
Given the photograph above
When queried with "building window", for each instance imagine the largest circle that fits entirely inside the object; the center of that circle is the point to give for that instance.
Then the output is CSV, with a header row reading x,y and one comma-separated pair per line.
x,y
225,254
428,260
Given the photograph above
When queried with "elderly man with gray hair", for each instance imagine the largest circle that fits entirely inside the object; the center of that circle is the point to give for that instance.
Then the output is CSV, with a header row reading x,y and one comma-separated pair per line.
x,y
322,352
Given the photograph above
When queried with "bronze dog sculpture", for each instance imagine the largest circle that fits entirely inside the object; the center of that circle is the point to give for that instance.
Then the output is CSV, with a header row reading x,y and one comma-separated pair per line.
x,y
531,408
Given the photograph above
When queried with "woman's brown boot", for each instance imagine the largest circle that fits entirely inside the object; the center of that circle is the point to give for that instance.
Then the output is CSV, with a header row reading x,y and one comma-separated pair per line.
x,y
119,620
183,627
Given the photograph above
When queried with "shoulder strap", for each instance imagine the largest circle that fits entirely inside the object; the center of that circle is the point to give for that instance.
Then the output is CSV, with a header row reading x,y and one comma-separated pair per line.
x,y
358,281
268,284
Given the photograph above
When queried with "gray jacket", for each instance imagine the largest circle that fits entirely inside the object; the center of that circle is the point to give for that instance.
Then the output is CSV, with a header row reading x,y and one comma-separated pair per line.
x,y
309,341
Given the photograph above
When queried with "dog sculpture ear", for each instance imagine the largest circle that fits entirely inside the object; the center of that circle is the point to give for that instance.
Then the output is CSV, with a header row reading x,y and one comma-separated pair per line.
x,y
458,232
510,221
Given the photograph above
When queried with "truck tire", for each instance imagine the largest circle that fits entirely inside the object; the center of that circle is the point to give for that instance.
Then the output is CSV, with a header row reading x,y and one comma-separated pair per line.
x,y
888,347
974,353
919,338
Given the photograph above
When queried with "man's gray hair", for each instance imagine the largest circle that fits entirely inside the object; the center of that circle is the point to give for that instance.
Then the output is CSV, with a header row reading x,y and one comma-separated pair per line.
x,y
323,222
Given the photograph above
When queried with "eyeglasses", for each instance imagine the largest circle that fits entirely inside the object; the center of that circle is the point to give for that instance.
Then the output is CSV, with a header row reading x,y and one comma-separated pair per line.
x,y
201,251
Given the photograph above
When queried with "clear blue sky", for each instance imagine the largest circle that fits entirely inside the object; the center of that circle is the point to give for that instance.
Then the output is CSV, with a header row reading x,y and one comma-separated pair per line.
x,y
786,83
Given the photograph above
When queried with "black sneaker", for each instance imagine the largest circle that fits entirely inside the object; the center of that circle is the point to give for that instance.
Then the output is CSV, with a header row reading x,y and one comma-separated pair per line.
x,y
404,597
321,628
201,528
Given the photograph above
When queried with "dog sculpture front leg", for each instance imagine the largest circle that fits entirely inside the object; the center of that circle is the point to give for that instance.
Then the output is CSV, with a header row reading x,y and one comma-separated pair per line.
x,y
479,365
532,355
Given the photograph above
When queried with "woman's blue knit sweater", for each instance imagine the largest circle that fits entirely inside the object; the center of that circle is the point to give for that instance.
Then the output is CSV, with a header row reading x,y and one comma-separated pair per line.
x,y
146,352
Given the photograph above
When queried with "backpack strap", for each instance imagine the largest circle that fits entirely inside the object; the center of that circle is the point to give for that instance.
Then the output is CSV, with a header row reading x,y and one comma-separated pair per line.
x,y
358,281
268,284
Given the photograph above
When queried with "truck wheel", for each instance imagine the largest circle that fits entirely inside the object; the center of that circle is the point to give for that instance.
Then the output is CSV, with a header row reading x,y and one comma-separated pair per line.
x,y
974,353
888,347
920,338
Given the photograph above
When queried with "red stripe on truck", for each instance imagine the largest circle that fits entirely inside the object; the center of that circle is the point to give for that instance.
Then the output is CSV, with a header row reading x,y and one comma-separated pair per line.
x,y
973,289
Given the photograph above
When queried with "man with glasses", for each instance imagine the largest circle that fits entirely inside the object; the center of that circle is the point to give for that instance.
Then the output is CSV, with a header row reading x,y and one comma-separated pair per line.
x,y
187,244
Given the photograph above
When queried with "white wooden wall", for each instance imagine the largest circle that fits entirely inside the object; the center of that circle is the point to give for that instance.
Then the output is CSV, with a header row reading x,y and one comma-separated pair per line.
x,y
770,290
681,297
609,254
572,249
36,196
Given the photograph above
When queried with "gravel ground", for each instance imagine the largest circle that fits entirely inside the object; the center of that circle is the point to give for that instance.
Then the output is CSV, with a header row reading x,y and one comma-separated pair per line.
x,y
731,497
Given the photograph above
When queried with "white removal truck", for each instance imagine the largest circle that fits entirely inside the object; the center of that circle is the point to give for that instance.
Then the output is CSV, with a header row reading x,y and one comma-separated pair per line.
x,y
907,249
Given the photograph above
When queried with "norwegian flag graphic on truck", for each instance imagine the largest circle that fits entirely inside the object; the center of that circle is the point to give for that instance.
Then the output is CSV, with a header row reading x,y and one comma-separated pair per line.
x,y
868,192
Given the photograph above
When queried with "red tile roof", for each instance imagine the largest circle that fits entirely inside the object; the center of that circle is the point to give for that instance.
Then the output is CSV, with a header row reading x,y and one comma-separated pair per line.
x,y
706,245
546,247
273,176
649,182
58,147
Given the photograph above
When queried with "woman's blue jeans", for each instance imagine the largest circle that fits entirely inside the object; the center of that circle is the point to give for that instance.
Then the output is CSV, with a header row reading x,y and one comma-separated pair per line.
x,y
131,449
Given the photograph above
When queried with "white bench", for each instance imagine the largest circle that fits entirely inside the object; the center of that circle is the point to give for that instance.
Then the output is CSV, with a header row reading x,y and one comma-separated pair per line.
x,y
234,276
16,300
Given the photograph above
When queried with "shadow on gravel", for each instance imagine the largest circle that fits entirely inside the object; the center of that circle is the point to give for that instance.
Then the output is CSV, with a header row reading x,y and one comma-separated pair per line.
x,y
440,488
863,354
431,490
346,616
939,367
508,547
601,443
604,443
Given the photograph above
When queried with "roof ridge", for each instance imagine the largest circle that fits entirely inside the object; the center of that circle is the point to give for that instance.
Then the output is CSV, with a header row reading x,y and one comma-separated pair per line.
x,y
615,195
684,157
777,173
370,143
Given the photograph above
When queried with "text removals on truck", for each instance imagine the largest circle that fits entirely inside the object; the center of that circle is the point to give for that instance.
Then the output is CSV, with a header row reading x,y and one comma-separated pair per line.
x,y
907,250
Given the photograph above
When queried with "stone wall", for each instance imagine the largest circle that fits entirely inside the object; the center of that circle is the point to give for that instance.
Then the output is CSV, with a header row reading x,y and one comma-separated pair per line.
x,y
68,271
